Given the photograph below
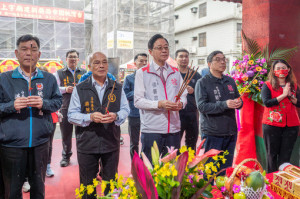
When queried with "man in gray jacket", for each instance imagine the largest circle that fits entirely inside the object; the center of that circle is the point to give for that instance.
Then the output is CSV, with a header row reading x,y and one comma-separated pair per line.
x,y
156,87
217,97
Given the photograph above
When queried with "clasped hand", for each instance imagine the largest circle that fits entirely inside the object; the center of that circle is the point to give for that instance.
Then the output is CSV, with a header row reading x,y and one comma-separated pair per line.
x,y
169,105
98,117
30,101
235,103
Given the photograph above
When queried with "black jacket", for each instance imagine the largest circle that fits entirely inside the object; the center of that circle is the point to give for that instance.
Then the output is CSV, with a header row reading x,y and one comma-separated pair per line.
x,y
98,137
29,127
211,94
67,79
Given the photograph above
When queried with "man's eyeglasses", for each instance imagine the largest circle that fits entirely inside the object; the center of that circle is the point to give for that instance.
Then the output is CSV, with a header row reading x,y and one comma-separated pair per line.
x,y
71,57
160,48
218,59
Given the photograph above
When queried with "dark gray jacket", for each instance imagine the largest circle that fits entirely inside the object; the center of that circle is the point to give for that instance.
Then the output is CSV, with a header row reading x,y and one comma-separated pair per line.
x,y
211,94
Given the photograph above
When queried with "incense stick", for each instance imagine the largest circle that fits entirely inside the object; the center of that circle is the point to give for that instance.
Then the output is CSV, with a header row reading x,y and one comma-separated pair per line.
x,y
185,77
186,82
107,112
30,69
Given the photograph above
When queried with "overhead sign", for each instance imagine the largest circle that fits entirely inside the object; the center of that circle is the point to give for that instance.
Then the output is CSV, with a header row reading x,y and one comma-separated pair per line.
x,y
40,12
124,40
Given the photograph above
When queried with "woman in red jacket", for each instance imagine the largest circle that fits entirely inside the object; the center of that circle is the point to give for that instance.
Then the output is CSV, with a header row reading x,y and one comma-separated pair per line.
x,y
280,96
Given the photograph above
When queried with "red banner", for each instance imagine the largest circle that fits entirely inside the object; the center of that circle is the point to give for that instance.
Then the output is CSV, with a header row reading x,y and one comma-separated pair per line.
x,y
40,12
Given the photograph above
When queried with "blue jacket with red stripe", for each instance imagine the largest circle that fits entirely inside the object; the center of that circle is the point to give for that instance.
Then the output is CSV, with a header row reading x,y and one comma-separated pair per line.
x,y
29,127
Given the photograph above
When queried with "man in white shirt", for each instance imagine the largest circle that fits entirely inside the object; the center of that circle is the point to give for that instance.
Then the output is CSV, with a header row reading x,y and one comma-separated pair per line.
x,y
156,88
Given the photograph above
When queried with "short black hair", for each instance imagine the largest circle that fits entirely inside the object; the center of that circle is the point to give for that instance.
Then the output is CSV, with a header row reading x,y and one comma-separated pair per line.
x,y
28,37
72,51
181,50
212,54
153,39
140,54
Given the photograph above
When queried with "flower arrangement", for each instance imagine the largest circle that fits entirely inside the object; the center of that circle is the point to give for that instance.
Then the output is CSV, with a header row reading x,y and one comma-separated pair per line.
x,y
173,176
250,74
252,70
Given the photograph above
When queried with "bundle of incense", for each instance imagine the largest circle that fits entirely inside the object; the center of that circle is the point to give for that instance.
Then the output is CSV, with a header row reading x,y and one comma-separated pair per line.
x,y
109,96
188,77
30,68
248,85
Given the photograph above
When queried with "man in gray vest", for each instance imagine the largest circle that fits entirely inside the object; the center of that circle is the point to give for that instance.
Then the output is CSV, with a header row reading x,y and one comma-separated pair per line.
x,y
66,80
98,107
155,91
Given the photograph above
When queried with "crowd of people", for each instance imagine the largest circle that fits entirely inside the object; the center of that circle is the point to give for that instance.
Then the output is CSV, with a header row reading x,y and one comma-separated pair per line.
x,y
97,105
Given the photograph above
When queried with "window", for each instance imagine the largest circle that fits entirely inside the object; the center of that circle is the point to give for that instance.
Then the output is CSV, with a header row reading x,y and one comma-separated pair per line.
x,y
202,10
239,33
202,39
201,61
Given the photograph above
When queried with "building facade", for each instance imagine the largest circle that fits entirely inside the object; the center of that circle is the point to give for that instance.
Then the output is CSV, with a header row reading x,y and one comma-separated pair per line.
x,y
202,26
122,28
60,26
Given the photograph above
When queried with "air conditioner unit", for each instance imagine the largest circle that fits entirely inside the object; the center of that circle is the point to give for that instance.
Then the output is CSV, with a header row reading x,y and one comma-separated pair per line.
x,y
192,49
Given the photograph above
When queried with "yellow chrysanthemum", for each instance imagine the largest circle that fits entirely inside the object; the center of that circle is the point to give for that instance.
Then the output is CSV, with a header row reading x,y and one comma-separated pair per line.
x,y
251,62
255,81
95,182
78,194
258,68
103,186
81,189
89,189
183,149
112,186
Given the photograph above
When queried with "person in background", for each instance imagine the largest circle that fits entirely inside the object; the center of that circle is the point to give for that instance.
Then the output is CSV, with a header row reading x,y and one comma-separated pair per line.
x,y
155,89
281,97
26,123
56,116
189,115
217,97
134,122
98,130
67,78
204,71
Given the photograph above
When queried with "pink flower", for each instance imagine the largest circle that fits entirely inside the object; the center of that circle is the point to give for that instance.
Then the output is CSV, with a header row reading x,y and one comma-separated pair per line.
x,y
246,58
223,189
236,188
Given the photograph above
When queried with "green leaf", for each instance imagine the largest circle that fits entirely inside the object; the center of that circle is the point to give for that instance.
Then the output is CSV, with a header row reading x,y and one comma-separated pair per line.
x,y
207,194
282,103
161,191
252,46
200,183
283,106
270,119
